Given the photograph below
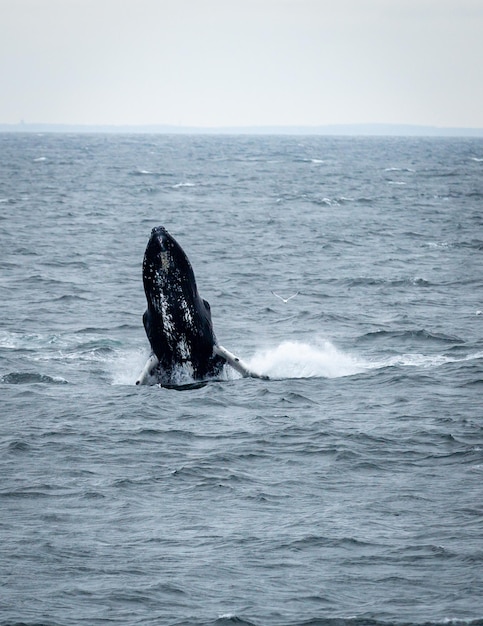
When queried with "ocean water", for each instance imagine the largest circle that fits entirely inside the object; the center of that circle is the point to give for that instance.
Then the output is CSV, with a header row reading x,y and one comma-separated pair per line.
x,y
345,490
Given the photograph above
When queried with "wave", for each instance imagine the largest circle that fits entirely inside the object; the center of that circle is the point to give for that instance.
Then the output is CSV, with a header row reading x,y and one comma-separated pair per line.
x,y
181,185
331,201
13,340
141,172
424,360
54,346
474,244
27,378
416,281
232,619
420,334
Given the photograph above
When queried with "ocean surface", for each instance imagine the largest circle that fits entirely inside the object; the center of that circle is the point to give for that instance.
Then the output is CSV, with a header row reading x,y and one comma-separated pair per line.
x,y
345,490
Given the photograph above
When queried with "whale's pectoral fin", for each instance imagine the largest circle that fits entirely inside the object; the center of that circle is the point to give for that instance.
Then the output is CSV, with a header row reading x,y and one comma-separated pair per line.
x,y
148,326
146,321
237,363
207,306
151,363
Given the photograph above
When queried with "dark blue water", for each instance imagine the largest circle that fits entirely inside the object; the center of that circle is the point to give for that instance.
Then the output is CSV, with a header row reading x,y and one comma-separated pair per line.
x,y
348,489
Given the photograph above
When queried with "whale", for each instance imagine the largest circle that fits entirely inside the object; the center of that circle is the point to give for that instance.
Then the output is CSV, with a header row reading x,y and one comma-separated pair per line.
x,y
178,320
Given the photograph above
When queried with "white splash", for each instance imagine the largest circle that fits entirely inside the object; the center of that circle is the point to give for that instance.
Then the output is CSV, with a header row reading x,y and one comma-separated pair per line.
x,y
124,368
294,359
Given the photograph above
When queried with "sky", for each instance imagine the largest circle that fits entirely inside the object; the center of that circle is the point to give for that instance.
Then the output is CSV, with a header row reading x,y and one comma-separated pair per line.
x,y
218,63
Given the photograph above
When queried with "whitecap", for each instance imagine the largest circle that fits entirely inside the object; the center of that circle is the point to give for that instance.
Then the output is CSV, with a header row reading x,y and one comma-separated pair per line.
x,y
438,244
424,361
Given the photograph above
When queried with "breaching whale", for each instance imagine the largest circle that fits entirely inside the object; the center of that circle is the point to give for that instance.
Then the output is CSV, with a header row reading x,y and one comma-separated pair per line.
x,y
177,320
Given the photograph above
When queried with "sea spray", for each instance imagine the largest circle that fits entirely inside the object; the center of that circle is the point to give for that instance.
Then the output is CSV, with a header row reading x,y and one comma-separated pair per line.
x,y
296,359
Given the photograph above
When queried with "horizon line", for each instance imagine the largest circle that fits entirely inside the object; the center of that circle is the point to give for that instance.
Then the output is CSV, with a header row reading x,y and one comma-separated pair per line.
x,y
368,129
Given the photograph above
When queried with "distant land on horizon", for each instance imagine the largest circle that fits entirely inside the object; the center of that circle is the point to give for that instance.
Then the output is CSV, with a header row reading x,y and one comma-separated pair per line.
x,y
393,130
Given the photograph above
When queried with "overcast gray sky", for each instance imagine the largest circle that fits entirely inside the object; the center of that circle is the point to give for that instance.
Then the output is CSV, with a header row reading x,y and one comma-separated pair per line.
x,y
242,62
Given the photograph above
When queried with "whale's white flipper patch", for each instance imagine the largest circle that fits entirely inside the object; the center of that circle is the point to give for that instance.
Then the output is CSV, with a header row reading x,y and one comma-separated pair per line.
x,y
237,363
147,369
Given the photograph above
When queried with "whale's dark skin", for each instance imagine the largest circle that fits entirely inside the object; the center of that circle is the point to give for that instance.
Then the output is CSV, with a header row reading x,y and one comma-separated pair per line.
x,y
177,320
